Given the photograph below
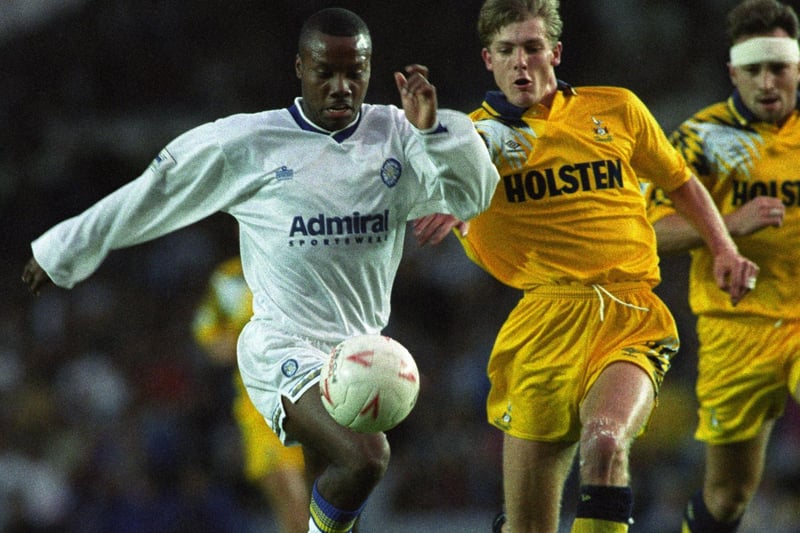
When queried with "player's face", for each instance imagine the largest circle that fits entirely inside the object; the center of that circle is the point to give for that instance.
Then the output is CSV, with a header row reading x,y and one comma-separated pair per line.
x,y
334,75
769,90
523,62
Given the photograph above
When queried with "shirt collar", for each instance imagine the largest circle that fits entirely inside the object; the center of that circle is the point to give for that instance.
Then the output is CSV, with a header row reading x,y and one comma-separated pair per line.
x,y
742,113
296,110
496,103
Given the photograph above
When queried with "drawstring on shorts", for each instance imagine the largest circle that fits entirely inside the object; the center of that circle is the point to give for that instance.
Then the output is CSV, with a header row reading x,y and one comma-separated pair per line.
x,y
600,290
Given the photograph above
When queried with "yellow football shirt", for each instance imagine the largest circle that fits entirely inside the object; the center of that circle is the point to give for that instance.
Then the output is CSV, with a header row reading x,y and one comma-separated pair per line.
x,y
738,158
226,307
569,209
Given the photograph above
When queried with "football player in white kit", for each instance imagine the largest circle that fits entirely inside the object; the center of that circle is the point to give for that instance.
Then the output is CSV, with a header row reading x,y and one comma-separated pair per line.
x,y
322,192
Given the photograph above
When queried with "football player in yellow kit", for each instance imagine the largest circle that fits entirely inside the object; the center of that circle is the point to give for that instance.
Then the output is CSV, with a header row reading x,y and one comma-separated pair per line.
x,y
745,151
275,469
579,361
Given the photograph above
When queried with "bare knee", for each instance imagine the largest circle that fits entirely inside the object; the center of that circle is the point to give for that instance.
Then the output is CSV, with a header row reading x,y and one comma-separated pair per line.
x,y
733,474
369,459
728,501
345,465
604,454
352,472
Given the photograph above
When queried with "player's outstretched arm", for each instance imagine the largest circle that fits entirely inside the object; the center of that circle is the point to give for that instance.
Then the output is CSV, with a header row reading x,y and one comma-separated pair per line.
x,y
733,272
418,96
34,276
676,235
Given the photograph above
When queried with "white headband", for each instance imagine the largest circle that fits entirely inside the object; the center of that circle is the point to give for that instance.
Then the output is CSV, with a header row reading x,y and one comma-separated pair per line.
x,y
765,50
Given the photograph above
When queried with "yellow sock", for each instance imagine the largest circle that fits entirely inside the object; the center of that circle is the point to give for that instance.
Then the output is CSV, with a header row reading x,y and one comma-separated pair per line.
x,y
594,525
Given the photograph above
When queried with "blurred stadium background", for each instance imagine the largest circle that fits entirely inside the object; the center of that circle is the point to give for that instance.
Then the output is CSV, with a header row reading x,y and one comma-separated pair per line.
x,y
110,417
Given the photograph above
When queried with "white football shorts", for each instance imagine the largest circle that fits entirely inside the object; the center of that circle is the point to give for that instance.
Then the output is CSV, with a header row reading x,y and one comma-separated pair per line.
x,y
275,365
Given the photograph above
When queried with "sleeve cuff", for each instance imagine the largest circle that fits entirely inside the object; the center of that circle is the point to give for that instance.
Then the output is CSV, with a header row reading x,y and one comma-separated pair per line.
x,y
438,128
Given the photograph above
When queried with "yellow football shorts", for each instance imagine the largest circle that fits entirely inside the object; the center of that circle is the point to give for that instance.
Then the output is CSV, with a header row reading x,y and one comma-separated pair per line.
x,y
263,450
557,341
747,368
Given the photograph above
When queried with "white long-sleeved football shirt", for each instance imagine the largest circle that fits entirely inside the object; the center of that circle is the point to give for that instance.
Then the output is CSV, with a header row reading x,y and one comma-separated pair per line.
x,y
322,215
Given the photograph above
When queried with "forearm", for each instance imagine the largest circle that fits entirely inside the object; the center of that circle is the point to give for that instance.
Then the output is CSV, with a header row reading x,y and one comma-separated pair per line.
x,y
158,202
466,173
137,212
675,235
699,222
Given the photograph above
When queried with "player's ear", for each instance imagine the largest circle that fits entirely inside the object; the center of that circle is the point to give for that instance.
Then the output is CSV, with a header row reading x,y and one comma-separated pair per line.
x,y
557,49
487,59
298,66
732,74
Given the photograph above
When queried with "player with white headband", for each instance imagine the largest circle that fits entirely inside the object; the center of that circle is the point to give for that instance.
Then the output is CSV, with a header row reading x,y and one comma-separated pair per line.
x,y
745,151
765,50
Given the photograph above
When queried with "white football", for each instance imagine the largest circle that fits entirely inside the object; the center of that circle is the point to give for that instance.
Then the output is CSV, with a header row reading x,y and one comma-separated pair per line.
x,y
370,383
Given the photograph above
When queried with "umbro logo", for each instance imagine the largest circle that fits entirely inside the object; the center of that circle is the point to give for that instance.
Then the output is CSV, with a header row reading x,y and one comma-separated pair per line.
x,y
513,146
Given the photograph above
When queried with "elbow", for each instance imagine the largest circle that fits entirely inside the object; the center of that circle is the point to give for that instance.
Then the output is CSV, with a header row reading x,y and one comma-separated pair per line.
x,y
465,207
669,240
492,180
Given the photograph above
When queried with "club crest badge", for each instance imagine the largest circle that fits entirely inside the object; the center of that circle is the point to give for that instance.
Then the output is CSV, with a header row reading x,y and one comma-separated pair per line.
x,y
391,171
289,367
601,132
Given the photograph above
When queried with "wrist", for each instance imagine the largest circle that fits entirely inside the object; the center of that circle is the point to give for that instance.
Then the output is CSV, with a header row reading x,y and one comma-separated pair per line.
x,y
731,226
436,128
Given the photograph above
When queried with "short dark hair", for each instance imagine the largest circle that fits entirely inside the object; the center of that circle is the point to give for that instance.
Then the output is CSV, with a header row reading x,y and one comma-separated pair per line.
x,y
335,21
757,17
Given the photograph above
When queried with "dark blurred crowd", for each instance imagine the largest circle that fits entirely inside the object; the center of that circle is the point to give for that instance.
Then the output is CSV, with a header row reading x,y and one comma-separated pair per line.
x,y
111,418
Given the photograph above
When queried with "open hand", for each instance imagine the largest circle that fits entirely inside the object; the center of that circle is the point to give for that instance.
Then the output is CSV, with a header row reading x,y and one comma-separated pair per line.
x,y
432,229
418,96
758,213
34,276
